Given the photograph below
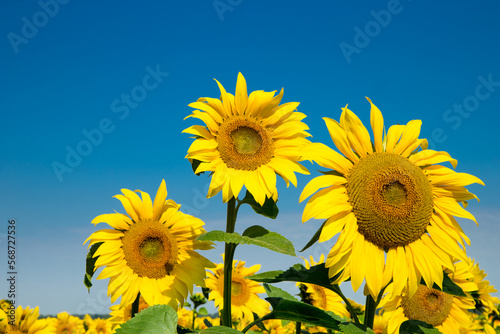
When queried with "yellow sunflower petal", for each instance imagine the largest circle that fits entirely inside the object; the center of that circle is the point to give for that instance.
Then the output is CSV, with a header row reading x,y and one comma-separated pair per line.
x,y
115,220
393,135
377,123
320,182
358,136
339,137
409,136
241,96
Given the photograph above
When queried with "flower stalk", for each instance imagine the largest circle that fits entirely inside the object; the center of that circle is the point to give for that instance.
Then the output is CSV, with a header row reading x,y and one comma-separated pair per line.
x,y
228,263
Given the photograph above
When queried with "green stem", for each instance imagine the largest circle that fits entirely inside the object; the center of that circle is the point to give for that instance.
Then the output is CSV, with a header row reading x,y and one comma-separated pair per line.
x,y
228,264
250,325
370,308
352,311
298,326
135,306
194,316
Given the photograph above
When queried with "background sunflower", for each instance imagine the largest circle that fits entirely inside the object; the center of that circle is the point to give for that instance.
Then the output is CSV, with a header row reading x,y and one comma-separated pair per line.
x,y
448,313
244,292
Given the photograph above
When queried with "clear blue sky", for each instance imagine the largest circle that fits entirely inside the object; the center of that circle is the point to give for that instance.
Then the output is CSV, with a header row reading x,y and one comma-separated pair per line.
x,y
67,70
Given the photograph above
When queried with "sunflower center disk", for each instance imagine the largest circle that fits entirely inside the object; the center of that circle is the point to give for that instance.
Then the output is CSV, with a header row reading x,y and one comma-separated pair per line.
x,y
391,199
429,305
244,144
246,140
150,249
239,291
319,299
236,288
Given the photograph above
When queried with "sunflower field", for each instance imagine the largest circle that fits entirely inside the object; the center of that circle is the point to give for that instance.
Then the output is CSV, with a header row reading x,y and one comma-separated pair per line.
x,y
389,202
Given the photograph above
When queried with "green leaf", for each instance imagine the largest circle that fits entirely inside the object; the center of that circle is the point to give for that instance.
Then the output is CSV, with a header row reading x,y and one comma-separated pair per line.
x,y
206,292
269,209
315,237
317,274
273,291
202,311
194,164
449,286
152,320
417,327
270,240
220,330
353,328
90,265
298,311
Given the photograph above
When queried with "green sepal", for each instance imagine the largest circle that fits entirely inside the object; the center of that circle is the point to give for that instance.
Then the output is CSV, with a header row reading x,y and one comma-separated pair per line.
x,y
90,265
449,286
194,164
331,172
206,292
269,209
152,320
259,324
314,238
254,235
417,327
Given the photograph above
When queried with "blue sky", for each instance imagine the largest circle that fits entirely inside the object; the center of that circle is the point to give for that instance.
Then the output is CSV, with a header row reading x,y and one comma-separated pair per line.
x,y
129,70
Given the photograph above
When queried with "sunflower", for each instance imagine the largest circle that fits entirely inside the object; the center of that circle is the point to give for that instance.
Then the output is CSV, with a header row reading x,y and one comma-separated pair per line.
x,y
485,302
199,322
276,326
66,323
448,313
321,297
246,141
244,292
26,321
120,315
97,325
151,251
387,197
380,323
184,317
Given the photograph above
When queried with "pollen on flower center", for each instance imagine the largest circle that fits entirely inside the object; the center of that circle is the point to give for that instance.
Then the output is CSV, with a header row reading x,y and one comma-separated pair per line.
x,y
246,140
394,193
236,288
150,249
239,291
391,199
428,305
244,144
